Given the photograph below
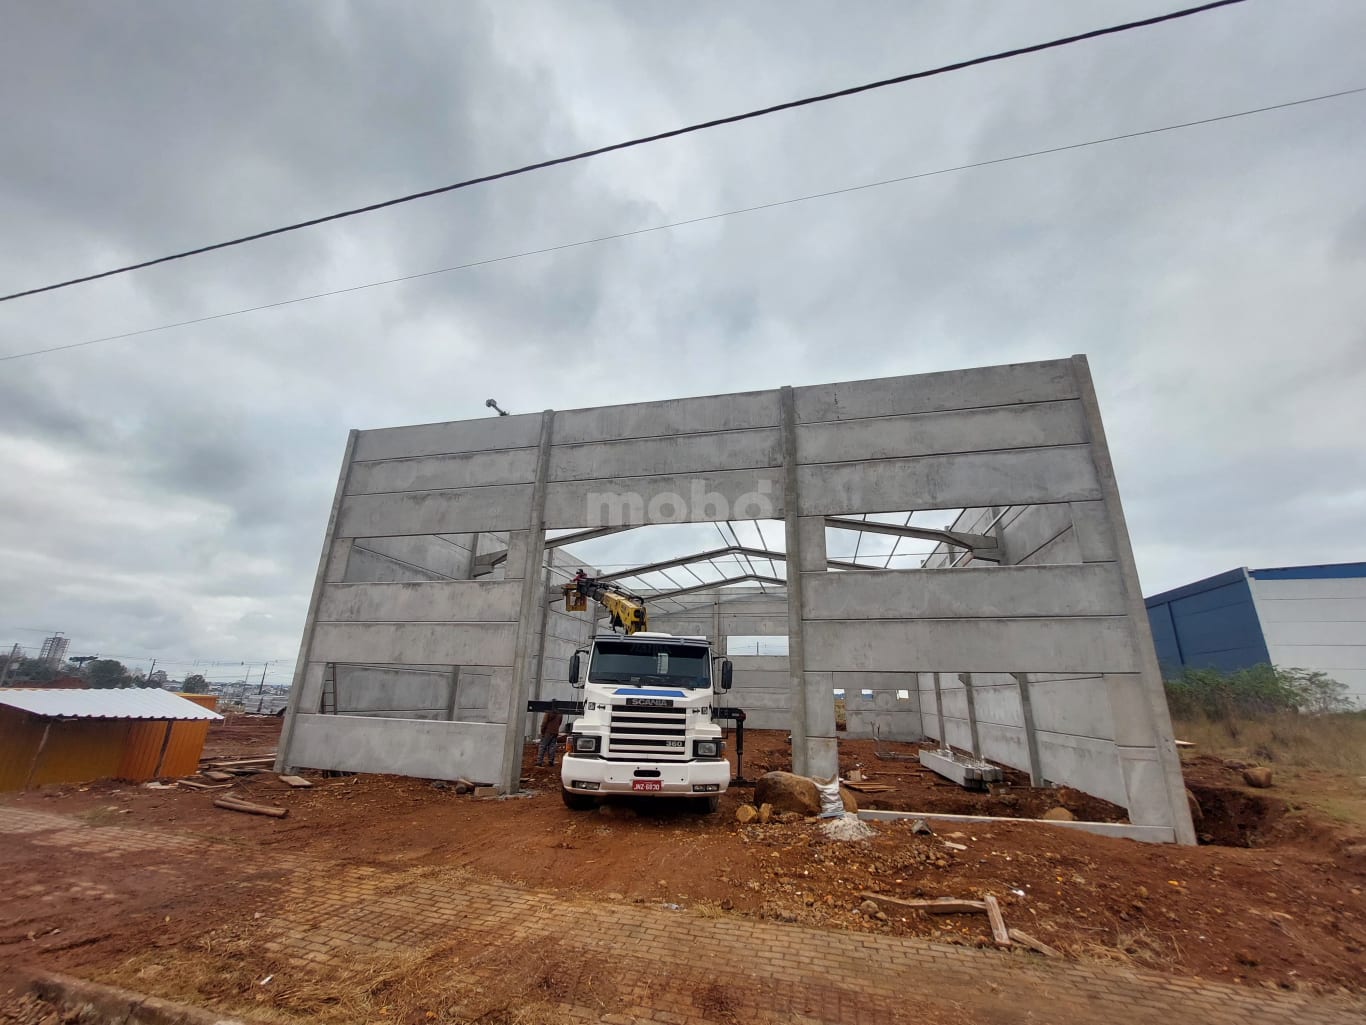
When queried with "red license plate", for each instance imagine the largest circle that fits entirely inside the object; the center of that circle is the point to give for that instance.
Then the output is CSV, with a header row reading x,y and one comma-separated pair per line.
x,y
646,784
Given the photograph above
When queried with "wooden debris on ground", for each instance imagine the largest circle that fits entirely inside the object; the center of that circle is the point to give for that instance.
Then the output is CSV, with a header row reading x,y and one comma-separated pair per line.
x,y
216,775
234,763
297,781
999,932
936,906
1024,939
234,804
867,788
196,785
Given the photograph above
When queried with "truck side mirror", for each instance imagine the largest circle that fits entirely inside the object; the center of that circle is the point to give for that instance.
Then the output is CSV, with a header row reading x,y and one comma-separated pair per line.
x,y
727,672
574,670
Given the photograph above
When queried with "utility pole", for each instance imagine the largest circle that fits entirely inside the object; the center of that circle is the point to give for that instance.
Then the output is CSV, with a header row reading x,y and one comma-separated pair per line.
x,y
260,701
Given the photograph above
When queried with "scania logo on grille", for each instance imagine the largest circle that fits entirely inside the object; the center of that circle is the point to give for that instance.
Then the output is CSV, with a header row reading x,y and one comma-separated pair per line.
x,y
649,703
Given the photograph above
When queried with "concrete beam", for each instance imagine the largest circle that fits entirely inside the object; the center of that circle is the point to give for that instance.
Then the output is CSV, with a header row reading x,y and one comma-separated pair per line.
x,y
1122,830
982,546
583,535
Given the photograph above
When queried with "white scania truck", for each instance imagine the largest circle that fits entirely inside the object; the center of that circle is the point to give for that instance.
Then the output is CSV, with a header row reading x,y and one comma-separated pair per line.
x,y
646,722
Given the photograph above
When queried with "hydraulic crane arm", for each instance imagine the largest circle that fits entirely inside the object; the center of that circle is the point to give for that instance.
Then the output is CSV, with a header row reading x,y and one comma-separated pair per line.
x,y
626,610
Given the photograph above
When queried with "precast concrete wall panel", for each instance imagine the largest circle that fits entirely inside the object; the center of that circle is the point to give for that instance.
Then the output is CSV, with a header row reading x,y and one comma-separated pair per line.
x,y
987,592
459,436
427,749
920,434
487,644
665,498
1019,476
737,412
443,473
684,453
1074,645
454,601
434,512
923,393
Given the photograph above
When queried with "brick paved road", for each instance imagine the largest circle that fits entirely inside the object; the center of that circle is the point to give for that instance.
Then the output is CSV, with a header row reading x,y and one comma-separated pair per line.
x,y
681,968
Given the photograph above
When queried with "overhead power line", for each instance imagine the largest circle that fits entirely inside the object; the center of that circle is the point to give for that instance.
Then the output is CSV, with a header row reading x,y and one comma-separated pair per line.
x,y
683,223
640,141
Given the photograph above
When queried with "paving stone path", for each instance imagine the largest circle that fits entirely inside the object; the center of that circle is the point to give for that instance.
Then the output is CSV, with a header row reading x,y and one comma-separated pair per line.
x,y
676,967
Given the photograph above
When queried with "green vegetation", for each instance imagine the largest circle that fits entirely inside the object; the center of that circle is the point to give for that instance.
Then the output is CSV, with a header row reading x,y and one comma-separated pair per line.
x,y
1257,691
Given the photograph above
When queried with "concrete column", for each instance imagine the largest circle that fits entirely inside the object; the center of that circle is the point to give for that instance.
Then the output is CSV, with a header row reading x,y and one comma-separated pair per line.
x,y
970,699
1140,765
795,661
538,664
296,689
939,711
1031,737
453,699
532,606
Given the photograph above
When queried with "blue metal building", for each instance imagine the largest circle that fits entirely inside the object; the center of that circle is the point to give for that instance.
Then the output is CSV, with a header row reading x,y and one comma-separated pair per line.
x,y
1306,617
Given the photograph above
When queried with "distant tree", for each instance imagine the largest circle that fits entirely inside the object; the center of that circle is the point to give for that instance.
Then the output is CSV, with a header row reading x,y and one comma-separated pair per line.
x,y
157,679
32,670
107,673
195,684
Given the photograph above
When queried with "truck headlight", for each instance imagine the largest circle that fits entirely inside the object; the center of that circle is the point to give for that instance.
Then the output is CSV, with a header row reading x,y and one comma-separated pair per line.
x,y
707,748
587,744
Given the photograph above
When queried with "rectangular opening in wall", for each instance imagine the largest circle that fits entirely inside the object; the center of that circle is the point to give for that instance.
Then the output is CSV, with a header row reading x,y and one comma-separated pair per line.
x,y
758,645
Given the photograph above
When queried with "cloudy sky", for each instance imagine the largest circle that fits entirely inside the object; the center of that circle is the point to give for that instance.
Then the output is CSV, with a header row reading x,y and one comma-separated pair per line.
x,y
165,495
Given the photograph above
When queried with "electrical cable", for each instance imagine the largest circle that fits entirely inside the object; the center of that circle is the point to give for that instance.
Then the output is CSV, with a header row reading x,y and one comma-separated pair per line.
x,y
640,141
683,223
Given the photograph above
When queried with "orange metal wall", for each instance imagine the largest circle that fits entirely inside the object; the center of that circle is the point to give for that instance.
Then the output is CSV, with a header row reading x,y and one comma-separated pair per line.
x,y
209,701
185,748
79,750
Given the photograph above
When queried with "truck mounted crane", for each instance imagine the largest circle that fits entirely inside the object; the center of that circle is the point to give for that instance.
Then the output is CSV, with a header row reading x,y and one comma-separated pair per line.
x,y
647,719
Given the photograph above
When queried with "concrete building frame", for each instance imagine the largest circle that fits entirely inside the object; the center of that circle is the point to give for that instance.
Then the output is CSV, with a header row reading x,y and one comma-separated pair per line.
x,y
1060,630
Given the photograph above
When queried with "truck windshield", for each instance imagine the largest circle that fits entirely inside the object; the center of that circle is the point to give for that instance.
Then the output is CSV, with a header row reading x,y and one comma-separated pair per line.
x,y
648,664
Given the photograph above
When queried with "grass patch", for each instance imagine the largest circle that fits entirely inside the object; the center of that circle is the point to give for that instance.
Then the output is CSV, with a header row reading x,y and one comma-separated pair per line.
x,y
1335,743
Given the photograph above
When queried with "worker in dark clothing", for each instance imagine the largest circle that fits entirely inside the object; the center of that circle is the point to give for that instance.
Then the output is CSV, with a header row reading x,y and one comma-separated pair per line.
x,y
550,734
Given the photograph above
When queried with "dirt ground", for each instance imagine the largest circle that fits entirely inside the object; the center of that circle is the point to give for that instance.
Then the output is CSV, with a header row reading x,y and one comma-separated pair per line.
x,y
1276,901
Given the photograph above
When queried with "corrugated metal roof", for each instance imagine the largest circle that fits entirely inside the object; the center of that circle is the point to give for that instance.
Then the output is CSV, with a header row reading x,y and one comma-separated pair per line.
x,y
123,703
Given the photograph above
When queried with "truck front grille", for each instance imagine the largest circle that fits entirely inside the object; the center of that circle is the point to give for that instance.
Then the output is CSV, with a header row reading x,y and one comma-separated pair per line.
x,y
656,733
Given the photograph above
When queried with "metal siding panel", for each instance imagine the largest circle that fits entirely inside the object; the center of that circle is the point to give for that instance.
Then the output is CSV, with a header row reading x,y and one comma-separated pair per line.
x,y
1218,628
79,750
142,750
185,748
20,734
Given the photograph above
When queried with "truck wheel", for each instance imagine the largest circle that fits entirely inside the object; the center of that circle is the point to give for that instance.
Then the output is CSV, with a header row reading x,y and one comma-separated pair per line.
x,y
706,805
578,802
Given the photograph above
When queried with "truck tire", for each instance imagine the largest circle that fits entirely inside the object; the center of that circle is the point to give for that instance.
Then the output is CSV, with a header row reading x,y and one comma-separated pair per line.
x,y
706,805
578,802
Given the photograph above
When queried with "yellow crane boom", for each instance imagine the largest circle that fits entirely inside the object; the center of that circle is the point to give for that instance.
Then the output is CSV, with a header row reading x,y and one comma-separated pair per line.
x,y
626,611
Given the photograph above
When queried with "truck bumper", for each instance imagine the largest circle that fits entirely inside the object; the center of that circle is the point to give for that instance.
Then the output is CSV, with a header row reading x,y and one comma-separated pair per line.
x,y
675,779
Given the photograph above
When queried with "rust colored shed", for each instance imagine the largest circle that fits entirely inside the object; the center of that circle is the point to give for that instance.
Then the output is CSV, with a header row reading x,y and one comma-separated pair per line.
x,y
70,736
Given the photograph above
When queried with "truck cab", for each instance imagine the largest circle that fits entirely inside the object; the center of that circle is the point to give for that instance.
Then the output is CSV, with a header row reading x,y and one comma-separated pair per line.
x,y
647,726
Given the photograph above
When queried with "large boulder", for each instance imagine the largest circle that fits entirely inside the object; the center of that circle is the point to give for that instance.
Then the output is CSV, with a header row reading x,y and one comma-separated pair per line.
x,y
786,791
1257,776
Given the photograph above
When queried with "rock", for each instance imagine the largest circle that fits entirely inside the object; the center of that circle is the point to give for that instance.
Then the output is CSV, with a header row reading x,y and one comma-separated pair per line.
x,y
746,813
487,791
881,916
788,792
765,812
1058,815
1197,813
921,828
869,908
1257,776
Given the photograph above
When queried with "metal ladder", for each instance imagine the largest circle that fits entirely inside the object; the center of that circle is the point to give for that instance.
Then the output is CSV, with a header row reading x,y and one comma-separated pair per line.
x,y
328,703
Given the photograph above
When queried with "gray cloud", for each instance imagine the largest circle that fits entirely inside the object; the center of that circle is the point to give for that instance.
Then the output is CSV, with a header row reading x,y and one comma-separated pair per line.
x,y
167,493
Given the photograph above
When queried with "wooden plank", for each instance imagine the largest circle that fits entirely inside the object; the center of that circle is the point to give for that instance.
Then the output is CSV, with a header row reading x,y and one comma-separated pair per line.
x,y
202,786
999,932
1024,939
215,775
296,781
937,906
232,804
